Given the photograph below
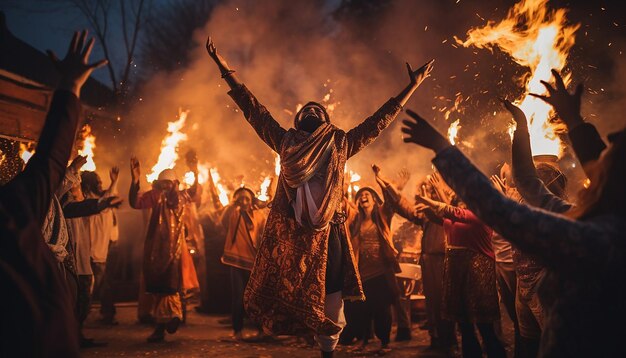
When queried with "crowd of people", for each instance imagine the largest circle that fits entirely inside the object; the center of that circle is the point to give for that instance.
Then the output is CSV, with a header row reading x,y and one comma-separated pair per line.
x,y
316,261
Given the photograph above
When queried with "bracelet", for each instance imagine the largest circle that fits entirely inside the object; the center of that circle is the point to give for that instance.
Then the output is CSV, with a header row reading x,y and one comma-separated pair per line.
x,y
228,73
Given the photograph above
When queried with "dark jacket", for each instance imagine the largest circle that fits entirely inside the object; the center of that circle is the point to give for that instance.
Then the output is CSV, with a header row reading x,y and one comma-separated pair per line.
x,y
37,310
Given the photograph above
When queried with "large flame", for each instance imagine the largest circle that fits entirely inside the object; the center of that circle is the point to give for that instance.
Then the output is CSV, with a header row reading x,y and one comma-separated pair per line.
x,y
540,39
169,146
453,131
203,175
87,147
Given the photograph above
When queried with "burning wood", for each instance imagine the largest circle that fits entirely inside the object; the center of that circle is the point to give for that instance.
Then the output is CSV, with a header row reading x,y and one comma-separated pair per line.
x,y
169,146
539,39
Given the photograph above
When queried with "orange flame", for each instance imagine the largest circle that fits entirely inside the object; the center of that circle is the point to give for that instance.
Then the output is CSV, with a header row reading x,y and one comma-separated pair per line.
x,y
453,131
539,39
26,152
87,147
221,192
203,175
169,146
277,165
263,194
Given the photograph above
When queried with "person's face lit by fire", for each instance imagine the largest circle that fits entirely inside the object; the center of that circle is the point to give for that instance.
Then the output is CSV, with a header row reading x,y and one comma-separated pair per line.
x,y
165,185
311,117
243,199
366,201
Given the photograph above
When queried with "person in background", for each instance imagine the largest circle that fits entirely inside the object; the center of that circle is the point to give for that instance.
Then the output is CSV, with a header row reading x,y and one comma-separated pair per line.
x,y
103,233
583,250
168,268
305,224
470,296
506,269
37,309
243,222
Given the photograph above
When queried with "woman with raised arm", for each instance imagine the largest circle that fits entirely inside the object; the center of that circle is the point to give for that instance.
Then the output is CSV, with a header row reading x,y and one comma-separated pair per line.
x,y
584,249
304,267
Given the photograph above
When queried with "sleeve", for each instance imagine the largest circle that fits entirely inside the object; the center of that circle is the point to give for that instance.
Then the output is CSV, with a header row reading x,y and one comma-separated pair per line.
x,y
365,133
398,204
69,180
530,187
141,200
553,238
587,143
456,214
259,117
78,209
44,172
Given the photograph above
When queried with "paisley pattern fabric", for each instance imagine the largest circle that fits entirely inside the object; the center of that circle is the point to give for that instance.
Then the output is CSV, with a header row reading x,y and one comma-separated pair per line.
x,y
469,288
286,291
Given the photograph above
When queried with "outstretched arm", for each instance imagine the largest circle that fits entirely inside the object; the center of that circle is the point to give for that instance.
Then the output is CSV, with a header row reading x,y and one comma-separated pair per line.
x,y
366,132
530,187
44,172
268,129
585,139
553,238
394,201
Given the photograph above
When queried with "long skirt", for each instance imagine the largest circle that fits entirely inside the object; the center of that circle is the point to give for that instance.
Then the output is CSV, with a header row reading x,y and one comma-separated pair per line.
x,y
469,290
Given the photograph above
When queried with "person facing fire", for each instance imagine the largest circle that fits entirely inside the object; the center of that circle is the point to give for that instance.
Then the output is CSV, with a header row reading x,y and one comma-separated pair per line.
x,y
304,267
168,268
243,222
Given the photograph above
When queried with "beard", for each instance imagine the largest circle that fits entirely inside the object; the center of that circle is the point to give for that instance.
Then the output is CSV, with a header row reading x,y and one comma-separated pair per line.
x,y
310,123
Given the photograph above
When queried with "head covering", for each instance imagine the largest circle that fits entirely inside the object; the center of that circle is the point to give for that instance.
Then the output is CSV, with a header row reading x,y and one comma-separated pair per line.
x,y
379,201
255,200
167,174
326,116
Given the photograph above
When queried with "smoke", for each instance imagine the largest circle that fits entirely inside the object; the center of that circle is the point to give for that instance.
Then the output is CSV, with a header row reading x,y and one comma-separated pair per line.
x,y
291,52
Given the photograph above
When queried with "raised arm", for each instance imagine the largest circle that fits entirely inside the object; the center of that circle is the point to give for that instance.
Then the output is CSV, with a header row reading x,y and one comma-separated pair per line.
x,y
365,133
44,172
528,183
554,238
268,129
114,175
585,138
136,200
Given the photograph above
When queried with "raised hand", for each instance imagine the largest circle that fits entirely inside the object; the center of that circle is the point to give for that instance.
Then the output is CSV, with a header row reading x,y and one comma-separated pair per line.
x,y
135,169
498,183
518,115
210,48
114,173
417,77
192,160
403,178
77,163
376,169
418,131
566,105
74,68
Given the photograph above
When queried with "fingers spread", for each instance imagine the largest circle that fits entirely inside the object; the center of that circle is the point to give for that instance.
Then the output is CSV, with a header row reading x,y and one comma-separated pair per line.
x,y
560,85
73,43
81,41
548,87
87,50
98,64
542,97
409,125
53,57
